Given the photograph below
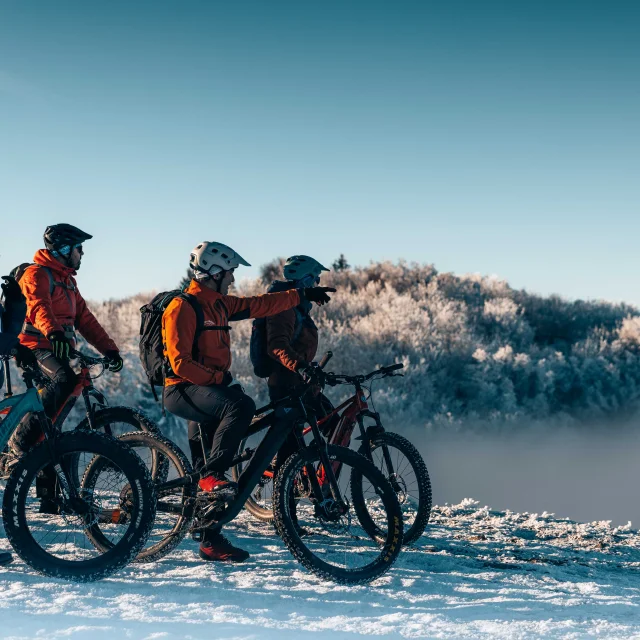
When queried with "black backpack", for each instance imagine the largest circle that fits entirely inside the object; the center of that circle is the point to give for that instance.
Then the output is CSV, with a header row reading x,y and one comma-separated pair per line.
x,y
152,357
263,364
18,272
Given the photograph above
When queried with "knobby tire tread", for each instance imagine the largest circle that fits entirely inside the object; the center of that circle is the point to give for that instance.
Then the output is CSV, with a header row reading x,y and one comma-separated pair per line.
x,y
410,452
35,459
304,556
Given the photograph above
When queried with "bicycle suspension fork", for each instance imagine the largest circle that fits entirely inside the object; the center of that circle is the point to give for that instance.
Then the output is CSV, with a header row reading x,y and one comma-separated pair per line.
x,y
321,445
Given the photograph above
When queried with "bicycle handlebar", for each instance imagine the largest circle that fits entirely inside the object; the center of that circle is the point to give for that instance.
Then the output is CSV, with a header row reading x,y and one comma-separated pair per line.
x,y
333,379
87,359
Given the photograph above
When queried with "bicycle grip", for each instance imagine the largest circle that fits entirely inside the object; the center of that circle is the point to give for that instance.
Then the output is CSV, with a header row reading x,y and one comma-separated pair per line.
x,y
327,356
394,367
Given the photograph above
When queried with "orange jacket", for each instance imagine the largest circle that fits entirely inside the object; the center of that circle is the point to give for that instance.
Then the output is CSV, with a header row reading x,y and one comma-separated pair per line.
x,y
214,347
48,311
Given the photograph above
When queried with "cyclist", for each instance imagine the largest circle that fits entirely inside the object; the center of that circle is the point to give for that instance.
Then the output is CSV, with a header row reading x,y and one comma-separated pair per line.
x,y
199,386
12,314
55,309
292,342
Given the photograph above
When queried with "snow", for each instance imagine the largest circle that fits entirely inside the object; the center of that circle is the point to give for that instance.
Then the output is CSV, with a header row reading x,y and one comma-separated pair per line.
x,y
476,573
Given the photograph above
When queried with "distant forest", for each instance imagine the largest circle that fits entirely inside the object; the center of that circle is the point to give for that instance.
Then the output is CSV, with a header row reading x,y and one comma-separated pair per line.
x,y
476,352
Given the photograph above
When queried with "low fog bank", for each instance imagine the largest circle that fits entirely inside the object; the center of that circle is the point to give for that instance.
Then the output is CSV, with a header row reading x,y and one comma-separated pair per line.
x,y
583,474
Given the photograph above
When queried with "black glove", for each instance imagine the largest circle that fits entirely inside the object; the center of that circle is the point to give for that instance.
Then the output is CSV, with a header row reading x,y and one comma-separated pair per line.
x,y
11,289
311,373
60,344
24,356
318,294
227,378
115,362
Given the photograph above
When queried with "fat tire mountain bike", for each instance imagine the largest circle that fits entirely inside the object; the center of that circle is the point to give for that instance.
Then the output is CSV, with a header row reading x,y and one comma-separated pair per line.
x,y
394,455
55,544
318,514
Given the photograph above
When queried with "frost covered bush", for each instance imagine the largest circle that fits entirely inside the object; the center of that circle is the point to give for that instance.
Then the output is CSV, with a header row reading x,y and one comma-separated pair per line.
x,y
474,350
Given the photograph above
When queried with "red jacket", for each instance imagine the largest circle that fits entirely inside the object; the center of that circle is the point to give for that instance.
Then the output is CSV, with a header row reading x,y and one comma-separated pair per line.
x,y
214,347
48,311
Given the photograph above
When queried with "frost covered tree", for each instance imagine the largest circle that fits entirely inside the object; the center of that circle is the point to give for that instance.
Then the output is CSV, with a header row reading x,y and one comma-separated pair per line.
x,y
474,349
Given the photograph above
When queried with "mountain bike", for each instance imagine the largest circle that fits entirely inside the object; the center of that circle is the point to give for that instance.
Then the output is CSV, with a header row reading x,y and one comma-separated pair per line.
x,y
317,512
113,421
122,505
398,460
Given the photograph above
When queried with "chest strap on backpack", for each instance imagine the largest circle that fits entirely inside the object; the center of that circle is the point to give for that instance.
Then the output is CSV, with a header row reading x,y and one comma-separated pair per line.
x,y
29,330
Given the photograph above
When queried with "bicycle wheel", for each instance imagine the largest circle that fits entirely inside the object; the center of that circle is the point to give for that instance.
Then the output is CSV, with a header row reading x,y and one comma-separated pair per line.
x,y
326,537
56,544
116,421
409,478
173,517
260,503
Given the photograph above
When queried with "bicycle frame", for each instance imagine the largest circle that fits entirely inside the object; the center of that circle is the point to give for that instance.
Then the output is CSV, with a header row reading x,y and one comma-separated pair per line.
x,y
84,388
262,457
354,409
14,408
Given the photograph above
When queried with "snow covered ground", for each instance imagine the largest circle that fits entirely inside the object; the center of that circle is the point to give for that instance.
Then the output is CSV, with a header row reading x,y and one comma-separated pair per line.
x,y
476,573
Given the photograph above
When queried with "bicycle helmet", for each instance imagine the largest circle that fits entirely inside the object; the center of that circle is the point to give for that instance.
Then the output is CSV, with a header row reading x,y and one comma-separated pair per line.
x,y
298,267
60,238
209,258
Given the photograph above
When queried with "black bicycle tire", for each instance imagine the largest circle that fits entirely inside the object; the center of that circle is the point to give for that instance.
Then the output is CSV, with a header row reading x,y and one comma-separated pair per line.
x,y
258,512
15,495
288,531
424,486
172,454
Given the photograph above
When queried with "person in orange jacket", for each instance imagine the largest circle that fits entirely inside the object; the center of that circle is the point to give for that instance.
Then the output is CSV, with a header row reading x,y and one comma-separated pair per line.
x,y
55,309
199,386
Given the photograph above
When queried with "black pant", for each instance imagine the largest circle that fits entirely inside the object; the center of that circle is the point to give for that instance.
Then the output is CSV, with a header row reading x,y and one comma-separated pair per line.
x,y
63,380
223,413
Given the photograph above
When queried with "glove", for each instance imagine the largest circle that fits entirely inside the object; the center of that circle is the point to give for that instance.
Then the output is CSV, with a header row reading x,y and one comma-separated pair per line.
x,y
60,344
227,379
311,373
24,356
317,294
114,361
11,289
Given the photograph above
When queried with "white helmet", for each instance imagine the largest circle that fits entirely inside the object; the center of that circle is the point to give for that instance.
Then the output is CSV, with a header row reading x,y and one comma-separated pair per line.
x,y
209,258
297,267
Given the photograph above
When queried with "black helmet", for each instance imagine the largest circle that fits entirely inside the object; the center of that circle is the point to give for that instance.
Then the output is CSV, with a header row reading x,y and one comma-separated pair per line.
x,y
60,238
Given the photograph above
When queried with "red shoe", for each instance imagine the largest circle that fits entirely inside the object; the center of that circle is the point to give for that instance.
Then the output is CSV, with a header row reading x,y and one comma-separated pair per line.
x,y
219,549
218,485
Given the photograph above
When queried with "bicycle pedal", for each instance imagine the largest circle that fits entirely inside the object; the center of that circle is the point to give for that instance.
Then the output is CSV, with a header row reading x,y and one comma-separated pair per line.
x,y
226,494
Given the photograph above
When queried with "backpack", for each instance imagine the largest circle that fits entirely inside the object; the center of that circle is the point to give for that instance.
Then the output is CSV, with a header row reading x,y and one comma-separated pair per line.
x,y
263,364
154,363
18,272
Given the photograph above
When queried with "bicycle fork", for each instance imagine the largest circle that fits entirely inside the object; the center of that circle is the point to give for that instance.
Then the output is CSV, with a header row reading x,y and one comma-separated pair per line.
x,y
366,435
327,466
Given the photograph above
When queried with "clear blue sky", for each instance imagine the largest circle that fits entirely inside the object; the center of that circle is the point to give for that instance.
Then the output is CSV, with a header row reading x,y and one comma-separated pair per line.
x,y
493,137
